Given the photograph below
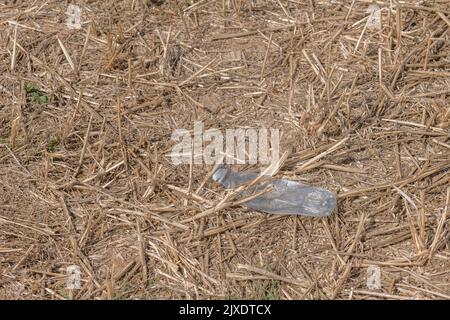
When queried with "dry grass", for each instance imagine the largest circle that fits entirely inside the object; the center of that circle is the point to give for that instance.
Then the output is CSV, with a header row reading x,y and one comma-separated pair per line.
x,y
85,176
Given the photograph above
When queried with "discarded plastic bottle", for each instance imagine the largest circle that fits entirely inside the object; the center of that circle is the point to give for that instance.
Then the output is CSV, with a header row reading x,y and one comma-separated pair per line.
x,y
285,197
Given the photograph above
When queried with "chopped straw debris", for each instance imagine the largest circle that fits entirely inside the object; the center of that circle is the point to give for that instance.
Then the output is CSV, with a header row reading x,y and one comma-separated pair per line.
x,y
86,120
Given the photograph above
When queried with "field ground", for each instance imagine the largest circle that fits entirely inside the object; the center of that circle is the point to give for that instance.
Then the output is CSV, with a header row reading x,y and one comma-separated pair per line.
x,y
86,118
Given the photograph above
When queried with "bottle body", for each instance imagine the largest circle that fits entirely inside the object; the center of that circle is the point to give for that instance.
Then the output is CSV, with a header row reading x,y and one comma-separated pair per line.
x,y
283,196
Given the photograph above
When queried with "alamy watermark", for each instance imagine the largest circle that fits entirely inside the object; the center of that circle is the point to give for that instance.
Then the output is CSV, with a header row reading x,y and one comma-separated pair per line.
x,y
233,146
373,278
73,17
374,20
73,280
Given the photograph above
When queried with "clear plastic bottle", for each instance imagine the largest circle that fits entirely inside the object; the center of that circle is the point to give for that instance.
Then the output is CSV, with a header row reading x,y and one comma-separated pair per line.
x,y
285,196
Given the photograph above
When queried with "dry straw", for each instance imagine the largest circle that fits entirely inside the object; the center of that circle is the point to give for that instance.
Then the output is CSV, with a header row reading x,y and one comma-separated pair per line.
x,y
86,177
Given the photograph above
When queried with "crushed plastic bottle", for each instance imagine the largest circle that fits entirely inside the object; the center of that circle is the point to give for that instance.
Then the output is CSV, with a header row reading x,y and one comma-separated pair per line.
x,y
284,197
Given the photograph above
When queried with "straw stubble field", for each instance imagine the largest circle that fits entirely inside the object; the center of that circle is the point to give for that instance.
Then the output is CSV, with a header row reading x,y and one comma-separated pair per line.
x,y
86,118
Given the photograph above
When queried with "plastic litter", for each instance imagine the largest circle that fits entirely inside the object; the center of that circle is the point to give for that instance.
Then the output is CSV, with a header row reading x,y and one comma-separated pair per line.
x,y
283,197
